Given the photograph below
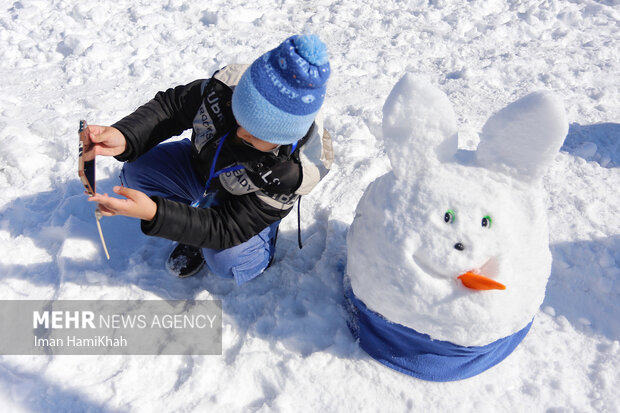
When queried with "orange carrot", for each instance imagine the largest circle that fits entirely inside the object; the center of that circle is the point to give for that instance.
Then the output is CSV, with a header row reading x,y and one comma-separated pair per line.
x,y
479,282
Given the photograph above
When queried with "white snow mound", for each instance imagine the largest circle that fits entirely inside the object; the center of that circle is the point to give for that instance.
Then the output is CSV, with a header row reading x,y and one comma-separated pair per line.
x,y
442,213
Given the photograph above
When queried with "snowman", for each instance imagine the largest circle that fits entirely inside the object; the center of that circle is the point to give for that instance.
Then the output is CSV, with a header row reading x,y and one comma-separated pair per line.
x,y
448,254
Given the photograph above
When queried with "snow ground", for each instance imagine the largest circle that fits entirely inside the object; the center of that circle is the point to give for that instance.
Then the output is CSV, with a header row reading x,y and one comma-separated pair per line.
x,y
286,344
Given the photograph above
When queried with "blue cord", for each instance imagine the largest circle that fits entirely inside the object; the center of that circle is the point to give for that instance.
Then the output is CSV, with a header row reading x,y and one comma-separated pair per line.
x,y
213,174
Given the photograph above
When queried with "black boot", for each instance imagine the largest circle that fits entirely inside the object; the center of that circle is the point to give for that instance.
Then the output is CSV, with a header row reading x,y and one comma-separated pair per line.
x,y
185,261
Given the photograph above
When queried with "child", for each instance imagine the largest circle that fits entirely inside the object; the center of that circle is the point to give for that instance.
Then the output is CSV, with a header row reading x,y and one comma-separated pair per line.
x,y
257,145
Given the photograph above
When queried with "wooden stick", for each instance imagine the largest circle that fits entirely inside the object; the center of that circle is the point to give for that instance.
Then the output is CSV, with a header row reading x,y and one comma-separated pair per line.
x,y
98,216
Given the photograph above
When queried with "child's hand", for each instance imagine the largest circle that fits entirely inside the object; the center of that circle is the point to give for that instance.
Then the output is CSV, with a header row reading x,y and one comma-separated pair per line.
x,y
108,141
137,204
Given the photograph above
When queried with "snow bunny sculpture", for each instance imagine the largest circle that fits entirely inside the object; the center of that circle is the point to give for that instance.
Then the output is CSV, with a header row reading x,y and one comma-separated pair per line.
x,y
448,254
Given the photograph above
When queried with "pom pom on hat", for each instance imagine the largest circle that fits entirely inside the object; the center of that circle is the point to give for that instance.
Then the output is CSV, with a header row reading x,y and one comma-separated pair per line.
x,y
311,48
280,94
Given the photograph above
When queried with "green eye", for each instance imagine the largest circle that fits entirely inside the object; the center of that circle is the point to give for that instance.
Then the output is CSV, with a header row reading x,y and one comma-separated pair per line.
x,y
487,221
448,217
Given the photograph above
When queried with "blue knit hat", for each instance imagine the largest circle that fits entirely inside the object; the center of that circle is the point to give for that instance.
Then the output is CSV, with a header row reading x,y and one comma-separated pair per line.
x,y
280,94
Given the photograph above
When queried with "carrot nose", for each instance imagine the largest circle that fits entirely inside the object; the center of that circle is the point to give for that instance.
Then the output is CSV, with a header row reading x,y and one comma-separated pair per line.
x,y
479,282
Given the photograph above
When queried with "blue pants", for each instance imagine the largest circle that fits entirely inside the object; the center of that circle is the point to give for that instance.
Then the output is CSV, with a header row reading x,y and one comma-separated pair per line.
x,y
166,171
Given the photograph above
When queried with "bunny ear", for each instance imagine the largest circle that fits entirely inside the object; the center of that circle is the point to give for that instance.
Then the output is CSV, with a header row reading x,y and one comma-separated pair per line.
x,y
419,126
523,138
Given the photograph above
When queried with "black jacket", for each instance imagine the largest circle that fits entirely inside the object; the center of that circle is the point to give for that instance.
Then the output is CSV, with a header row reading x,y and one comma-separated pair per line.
x,y
249,199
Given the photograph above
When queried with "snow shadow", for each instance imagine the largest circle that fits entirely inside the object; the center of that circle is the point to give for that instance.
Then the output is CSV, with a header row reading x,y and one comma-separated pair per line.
x,y
54,234
53,242
33,393
599,142
297,302
584,285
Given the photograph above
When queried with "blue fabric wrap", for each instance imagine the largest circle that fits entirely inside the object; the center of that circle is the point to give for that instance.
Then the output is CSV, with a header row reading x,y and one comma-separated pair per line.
x,y
416,354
